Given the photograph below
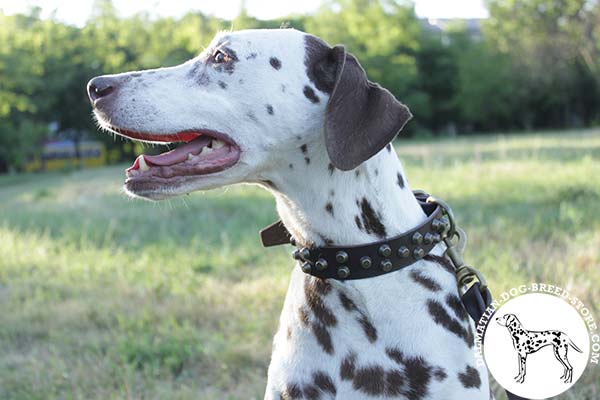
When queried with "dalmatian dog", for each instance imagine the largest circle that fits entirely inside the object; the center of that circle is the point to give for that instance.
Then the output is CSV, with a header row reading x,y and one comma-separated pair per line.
x,y
527,342
284,110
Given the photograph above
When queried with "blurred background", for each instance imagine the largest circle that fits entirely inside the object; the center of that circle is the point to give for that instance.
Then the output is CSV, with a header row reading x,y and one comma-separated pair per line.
x,y
102,297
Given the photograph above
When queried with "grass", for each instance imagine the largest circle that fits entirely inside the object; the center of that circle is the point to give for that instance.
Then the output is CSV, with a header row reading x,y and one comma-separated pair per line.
x,y
102,297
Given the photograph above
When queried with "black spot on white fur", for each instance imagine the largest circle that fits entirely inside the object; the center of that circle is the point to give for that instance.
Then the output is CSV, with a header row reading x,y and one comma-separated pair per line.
x,y
441,261
411,380
269,109
329,208
358,223
457,306
425,281
222,84
275,63
314,291
321,384
347,303
323,337
400,180
368,328
442,318
310,94
371,220
440,374
304,150
470,378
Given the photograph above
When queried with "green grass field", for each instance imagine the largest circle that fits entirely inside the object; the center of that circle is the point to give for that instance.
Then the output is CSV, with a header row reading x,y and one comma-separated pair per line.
x,y
103,297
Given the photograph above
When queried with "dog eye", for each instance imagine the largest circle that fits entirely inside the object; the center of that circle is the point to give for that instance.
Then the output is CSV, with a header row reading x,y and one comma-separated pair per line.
x,y
220,57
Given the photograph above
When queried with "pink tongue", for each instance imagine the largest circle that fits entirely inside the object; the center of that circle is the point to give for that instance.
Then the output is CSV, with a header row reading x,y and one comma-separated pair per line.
x,y
179,154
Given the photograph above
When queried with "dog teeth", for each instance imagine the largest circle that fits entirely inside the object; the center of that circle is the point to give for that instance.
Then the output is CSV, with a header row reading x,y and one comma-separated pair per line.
x,y
133,172
143,166
207,150
217,144
190,156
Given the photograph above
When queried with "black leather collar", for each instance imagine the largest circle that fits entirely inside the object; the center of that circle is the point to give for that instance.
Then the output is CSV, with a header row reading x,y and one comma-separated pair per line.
x,y
372,259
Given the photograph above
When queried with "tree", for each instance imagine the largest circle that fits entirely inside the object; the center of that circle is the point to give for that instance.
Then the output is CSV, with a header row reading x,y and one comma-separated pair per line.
x,y
548,41
384,35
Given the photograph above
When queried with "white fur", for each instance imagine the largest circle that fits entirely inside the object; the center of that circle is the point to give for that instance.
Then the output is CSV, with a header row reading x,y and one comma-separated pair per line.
x,y
170,100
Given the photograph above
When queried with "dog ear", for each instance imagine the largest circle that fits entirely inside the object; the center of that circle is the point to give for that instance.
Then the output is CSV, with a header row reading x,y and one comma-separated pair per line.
x,y
361,116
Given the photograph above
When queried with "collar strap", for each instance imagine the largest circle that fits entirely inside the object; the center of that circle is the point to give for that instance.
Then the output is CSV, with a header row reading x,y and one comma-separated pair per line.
x,y
372,259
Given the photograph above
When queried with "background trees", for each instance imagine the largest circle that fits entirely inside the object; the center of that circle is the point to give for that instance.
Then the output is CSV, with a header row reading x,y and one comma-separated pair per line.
x,y
532,64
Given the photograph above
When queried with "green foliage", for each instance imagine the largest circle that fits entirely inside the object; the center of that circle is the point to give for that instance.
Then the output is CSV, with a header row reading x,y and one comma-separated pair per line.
x,y
488,96
384,35
19,141
554,57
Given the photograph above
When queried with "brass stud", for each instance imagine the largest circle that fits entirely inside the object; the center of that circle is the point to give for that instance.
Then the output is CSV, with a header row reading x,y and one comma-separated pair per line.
x,y
403,252
343,272
306,267
366,262
437,238
305,253
419,253
385,250
341,257
386,265
296,254
428,239
417,238
292,241
321,264
445,224
437,225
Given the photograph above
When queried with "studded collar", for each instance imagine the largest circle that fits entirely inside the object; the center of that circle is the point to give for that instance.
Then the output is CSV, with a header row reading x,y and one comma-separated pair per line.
x,y
371,259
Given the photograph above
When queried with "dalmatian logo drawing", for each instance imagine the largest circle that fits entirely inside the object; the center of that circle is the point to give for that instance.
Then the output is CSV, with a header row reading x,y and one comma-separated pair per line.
x,y
527,342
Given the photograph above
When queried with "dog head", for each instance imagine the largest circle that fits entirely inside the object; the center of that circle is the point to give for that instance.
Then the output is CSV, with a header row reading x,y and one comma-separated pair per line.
x,y
508,320
241,106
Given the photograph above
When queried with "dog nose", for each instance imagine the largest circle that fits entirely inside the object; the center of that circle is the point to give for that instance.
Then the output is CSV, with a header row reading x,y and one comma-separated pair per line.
x,y
100,87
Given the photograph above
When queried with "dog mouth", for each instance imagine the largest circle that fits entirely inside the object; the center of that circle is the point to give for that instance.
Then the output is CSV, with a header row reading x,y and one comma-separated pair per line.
x,y
198,153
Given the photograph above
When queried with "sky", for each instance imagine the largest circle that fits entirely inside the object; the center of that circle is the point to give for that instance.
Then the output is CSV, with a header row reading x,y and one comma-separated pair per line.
x,y
77,11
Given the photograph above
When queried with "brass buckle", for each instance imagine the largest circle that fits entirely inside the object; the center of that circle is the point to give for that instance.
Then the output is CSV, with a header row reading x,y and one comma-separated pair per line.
x,y
466,275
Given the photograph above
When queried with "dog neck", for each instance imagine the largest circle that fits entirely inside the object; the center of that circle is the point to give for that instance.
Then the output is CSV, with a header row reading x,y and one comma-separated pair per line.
x,y
321,205
325,324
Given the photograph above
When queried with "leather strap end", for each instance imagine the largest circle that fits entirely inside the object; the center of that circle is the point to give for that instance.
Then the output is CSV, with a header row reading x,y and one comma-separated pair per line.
x,y
275,234
476,301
